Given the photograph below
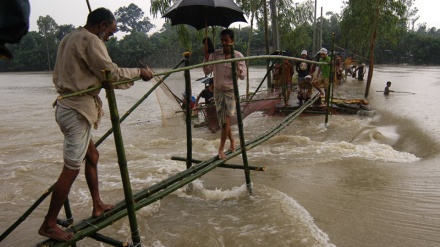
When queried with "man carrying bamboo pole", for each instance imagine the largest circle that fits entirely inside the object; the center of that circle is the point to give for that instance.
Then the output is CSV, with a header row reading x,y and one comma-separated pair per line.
x,y
81,57
223,86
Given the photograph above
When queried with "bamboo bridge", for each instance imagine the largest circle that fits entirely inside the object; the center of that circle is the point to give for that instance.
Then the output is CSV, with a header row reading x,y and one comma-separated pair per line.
x,y
90,227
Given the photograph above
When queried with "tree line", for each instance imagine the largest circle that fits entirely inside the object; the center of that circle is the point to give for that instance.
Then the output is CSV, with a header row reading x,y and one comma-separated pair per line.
x,y
400,43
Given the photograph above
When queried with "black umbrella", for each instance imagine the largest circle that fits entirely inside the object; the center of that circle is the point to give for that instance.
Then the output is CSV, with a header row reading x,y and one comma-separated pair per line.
x,y
204,13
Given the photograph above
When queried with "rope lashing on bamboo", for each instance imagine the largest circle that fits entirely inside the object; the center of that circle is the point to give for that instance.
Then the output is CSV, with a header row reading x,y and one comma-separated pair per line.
x,y
60,97
90,224
200,65
137,234
267,57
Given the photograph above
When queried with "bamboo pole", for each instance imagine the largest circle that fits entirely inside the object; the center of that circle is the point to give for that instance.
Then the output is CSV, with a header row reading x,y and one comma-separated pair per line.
x,y
332,70
232,166
69,215
392,91
240,123
264,78
107,240
121,157
266,39
91,89
67,209
372,44
197,66
188,111
329,94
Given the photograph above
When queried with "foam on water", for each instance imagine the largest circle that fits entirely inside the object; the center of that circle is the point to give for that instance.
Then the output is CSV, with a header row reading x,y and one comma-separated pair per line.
x,y
216,195
284,218
332,150
384,134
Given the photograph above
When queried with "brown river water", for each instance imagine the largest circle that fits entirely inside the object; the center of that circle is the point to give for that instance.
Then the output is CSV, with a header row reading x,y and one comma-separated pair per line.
x,y
360,181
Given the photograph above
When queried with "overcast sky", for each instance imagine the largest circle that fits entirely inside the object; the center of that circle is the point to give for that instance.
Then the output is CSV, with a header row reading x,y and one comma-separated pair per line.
x,y
75,11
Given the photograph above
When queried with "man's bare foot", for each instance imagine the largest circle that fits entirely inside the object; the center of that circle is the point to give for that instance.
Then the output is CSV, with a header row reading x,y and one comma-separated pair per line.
x,y
221,154
101,209
55,233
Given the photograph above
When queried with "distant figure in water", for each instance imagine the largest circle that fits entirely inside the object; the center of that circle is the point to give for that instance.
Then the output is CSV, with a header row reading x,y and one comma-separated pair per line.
x,y
387,88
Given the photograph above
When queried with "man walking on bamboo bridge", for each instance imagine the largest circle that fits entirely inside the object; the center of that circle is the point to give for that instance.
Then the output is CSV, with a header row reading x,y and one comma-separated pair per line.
x,y
81,57
223,86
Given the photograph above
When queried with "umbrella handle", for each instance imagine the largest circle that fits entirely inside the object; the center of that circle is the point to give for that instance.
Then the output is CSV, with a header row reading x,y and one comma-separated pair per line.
x,y
206,27
88,5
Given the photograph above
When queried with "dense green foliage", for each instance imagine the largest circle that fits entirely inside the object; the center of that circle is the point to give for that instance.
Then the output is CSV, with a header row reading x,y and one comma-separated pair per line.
x,y
37,50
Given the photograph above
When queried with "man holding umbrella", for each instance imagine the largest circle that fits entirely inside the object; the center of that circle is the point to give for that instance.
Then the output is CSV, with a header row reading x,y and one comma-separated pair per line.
x,y
224,87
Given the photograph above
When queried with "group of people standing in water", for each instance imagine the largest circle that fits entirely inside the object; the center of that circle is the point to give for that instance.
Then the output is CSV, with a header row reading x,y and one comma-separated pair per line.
x,y
311,76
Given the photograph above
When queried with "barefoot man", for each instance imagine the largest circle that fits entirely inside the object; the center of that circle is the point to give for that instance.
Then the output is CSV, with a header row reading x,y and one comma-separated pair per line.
x,y
223,86
81,57
323,79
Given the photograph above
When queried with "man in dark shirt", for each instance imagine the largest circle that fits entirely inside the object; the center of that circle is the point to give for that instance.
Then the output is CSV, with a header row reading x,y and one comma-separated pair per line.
x,y
302,67
207,94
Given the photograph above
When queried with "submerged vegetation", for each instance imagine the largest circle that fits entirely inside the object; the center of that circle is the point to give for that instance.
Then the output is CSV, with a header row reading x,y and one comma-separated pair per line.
x,y
397,39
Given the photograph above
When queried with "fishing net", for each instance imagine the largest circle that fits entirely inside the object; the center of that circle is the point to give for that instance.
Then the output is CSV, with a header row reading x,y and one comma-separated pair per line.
x,y
167,95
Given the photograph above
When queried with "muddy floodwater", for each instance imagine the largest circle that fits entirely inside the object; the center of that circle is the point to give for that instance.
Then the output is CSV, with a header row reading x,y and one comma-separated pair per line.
x,y
360,181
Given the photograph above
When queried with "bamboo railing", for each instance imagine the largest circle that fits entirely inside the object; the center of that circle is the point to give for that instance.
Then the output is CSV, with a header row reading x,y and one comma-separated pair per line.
x,y
247,173
90,226
157,191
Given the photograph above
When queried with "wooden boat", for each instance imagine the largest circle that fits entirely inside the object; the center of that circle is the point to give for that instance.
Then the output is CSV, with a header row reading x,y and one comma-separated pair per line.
x,y
271,105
